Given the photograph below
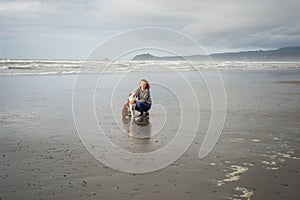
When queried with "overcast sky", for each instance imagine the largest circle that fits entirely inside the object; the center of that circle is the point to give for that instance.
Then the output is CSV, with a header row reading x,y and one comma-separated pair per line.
x,y
70,29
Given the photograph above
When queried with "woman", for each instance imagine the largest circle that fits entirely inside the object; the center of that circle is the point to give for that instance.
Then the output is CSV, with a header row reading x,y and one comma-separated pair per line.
x,y
143,102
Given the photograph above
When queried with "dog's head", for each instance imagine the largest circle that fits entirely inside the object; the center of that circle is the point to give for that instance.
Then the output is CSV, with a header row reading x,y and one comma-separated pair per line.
x,y
132,98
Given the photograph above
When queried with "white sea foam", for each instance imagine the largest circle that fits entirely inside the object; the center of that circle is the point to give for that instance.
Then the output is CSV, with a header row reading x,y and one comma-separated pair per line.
x,y
233,176
42,67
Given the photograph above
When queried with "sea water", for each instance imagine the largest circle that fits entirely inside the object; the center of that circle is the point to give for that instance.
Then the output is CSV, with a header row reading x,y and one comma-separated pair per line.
x,y
54,67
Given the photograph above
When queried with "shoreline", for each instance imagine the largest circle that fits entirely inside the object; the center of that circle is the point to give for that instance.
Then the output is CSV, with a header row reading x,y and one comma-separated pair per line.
x,y
221,70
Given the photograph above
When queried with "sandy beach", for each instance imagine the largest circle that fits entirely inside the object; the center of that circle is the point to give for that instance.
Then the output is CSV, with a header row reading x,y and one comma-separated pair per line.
x,y
257,155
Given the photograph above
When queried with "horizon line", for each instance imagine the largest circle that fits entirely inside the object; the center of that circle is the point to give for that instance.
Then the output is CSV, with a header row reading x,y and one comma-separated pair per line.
x,y
108,59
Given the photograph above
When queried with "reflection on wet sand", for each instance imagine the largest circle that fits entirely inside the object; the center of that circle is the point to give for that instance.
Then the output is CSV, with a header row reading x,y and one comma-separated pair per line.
x,y
137,127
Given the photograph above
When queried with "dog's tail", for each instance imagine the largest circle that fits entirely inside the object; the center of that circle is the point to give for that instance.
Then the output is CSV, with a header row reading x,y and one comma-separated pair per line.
x,y
124,111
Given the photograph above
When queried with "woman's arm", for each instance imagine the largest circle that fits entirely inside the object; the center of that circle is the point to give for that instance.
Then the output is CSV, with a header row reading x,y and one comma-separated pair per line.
x,y
144,96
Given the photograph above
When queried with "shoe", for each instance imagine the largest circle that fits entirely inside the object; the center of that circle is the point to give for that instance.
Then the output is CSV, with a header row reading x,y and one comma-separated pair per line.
x,y
146,114
141,114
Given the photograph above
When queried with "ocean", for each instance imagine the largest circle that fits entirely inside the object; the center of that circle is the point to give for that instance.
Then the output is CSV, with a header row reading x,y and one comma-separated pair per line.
x,y
11,67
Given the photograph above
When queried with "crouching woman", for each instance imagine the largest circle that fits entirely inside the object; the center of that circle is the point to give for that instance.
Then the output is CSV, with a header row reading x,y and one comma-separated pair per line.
x,y
143,102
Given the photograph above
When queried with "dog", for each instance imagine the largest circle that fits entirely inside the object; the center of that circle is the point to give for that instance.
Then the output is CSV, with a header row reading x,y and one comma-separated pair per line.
x,y
132,99
129,106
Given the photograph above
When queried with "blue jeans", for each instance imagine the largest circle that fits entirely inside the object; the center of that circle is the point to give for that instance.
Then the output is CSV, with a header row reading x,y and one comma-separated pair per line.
x,y
143,106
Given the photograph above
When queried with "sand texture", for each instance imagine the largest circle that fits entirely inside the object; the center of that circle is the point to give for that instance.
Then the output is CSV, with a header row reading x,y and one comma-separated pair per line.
x,y
257,155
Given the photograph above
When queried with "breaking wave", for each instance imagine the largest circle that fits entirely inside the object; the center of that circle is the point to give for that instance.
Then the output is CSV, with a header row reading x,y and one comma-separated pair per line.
x,y
56,67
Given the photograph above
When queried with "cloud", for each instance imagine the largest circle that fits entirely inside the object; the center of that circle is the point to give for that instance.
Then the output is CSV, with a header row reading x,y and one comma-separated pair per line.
x,y
247,25
217,25
24,10
240,18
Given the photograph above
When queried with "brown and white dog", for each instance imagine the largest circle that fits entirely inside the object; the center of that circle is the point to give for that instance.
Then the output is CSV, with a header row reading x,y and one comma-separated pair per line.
x,y
129,106
132,99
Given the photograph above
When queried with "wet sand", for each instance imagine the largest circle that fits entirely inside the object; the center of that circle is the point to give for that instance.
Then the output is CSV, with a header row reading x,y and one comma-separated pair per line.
x,y
256,157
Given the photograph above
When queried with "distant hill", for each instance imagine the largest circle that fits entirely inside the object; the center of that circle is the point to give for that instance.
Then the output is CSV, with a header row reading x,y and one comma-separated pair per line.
x,y
282,54
148,56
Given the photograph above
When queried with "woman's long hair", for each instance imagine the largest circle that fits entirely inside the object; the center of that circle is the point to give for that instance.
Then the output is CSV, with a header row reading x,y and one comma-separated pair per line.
x,y
147,83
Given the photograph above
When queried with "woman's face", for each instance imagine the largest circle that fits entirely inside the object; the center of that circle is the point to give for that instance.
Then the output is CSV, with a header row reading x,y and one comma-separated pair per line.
x,y
143,85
